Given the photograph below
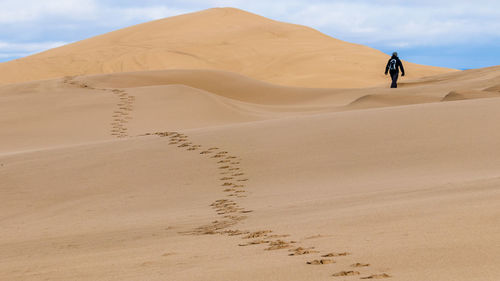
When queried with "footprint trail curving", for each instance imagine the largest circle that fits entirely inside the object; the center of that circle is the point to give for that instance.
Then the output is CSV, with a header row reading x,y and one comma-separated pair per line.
x,y
233,184
122,113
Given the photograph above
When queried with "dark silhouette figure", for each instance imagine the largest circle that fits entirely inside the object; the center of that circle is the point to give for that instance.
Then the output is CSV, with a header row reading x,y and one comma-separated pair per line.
x,y
393,66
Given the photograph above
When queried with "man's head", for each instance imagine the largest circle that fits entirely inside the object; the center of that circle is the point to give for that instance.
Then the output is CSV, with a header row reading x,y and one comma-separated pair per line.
x,y
395,54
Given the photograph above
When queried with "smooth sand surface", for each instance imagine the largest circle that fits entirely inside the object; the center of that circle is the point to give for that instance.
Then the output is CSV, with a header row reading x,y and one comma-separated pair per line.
x,y
403,180
223,39
207,174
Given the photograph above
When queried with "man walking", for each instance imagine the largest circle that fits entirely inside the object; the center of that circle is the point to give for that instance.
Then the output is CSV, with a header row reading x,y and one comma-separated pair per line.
x,y
393,66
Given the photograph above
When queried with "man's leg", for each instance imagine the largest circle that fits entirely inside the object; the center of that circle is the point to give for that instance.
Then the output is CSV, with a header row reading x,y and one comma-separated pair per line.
x,y
394,76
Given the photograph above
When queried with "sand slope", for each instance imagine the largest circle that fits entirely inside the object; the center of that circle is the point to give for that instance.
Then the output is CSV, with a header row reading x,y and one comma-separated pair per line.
x,y
221,39
400,183
76,110
359,182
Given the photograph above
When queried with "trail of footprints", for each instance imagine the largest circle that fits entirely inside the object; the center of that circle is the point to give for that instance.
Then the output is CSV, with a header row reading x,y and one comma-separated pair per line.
x,y
233,182
121,115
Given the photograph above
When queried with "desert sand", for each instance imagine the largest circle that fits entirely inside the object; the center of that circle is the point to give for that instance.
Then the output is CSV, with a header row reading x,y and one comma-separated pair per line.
x,y
220,39
123,168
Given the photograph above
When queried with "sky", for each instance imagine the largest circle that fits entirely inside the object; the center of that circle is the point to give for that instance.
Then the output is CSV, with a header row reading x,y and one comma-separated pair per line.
x,y
460,34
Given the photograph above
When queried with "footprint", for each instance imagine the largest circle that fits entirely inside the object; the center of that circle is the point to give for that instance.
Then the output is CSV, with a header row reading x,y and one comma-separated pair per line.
x,y
336,255
377,276
212,228
235,218
302,251
224,167
255,242
346,273
278,245
321,261
257,234
226,178
360,264
234,232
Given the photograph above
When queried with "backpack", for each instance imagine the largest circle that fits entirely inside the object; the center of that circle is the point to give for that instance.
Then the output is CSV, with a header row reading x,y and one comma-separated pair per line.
x,y
393,64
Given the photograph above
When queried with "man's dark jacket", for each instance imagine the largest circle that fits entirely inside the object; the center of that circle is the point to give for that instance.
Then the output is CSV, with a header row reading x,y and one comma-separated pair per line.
x,y
399,65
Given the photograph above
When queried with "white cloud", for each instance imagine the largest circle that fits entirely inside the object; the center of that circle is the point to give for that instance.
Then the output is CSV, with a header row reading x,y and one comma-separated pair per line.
x,y
70,11
146,13
392,23
32,10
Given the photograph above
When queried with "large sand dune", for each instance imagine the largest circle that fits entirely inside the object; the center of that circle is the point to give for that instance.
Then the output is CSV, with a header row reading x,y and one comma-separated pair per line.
x,y
76,110
408,186
222,39
208,174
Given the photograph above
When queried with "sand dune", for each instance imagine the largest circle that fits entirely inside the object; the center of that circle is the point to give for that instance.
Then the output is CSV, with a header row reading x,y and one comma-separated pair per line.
x,y
76,110
220,39
470,94
137,207
240,88
212,168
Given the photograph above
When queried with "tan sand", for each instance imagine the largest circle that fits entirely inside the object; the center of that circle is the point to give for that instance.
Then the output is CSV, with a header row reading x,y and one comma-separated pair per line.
x,y
223,39
410,190
260,182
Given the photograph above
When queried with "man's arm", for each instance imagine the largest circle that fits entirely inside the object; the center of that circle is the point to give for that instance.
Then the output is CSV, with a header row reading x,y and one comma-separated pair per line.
x,y
387,67
402,68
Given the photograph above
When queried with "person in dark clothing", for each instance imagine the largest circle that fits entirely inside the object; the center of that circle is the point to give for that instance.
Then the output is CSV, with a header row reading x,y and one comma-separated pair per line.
x,y
393,66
